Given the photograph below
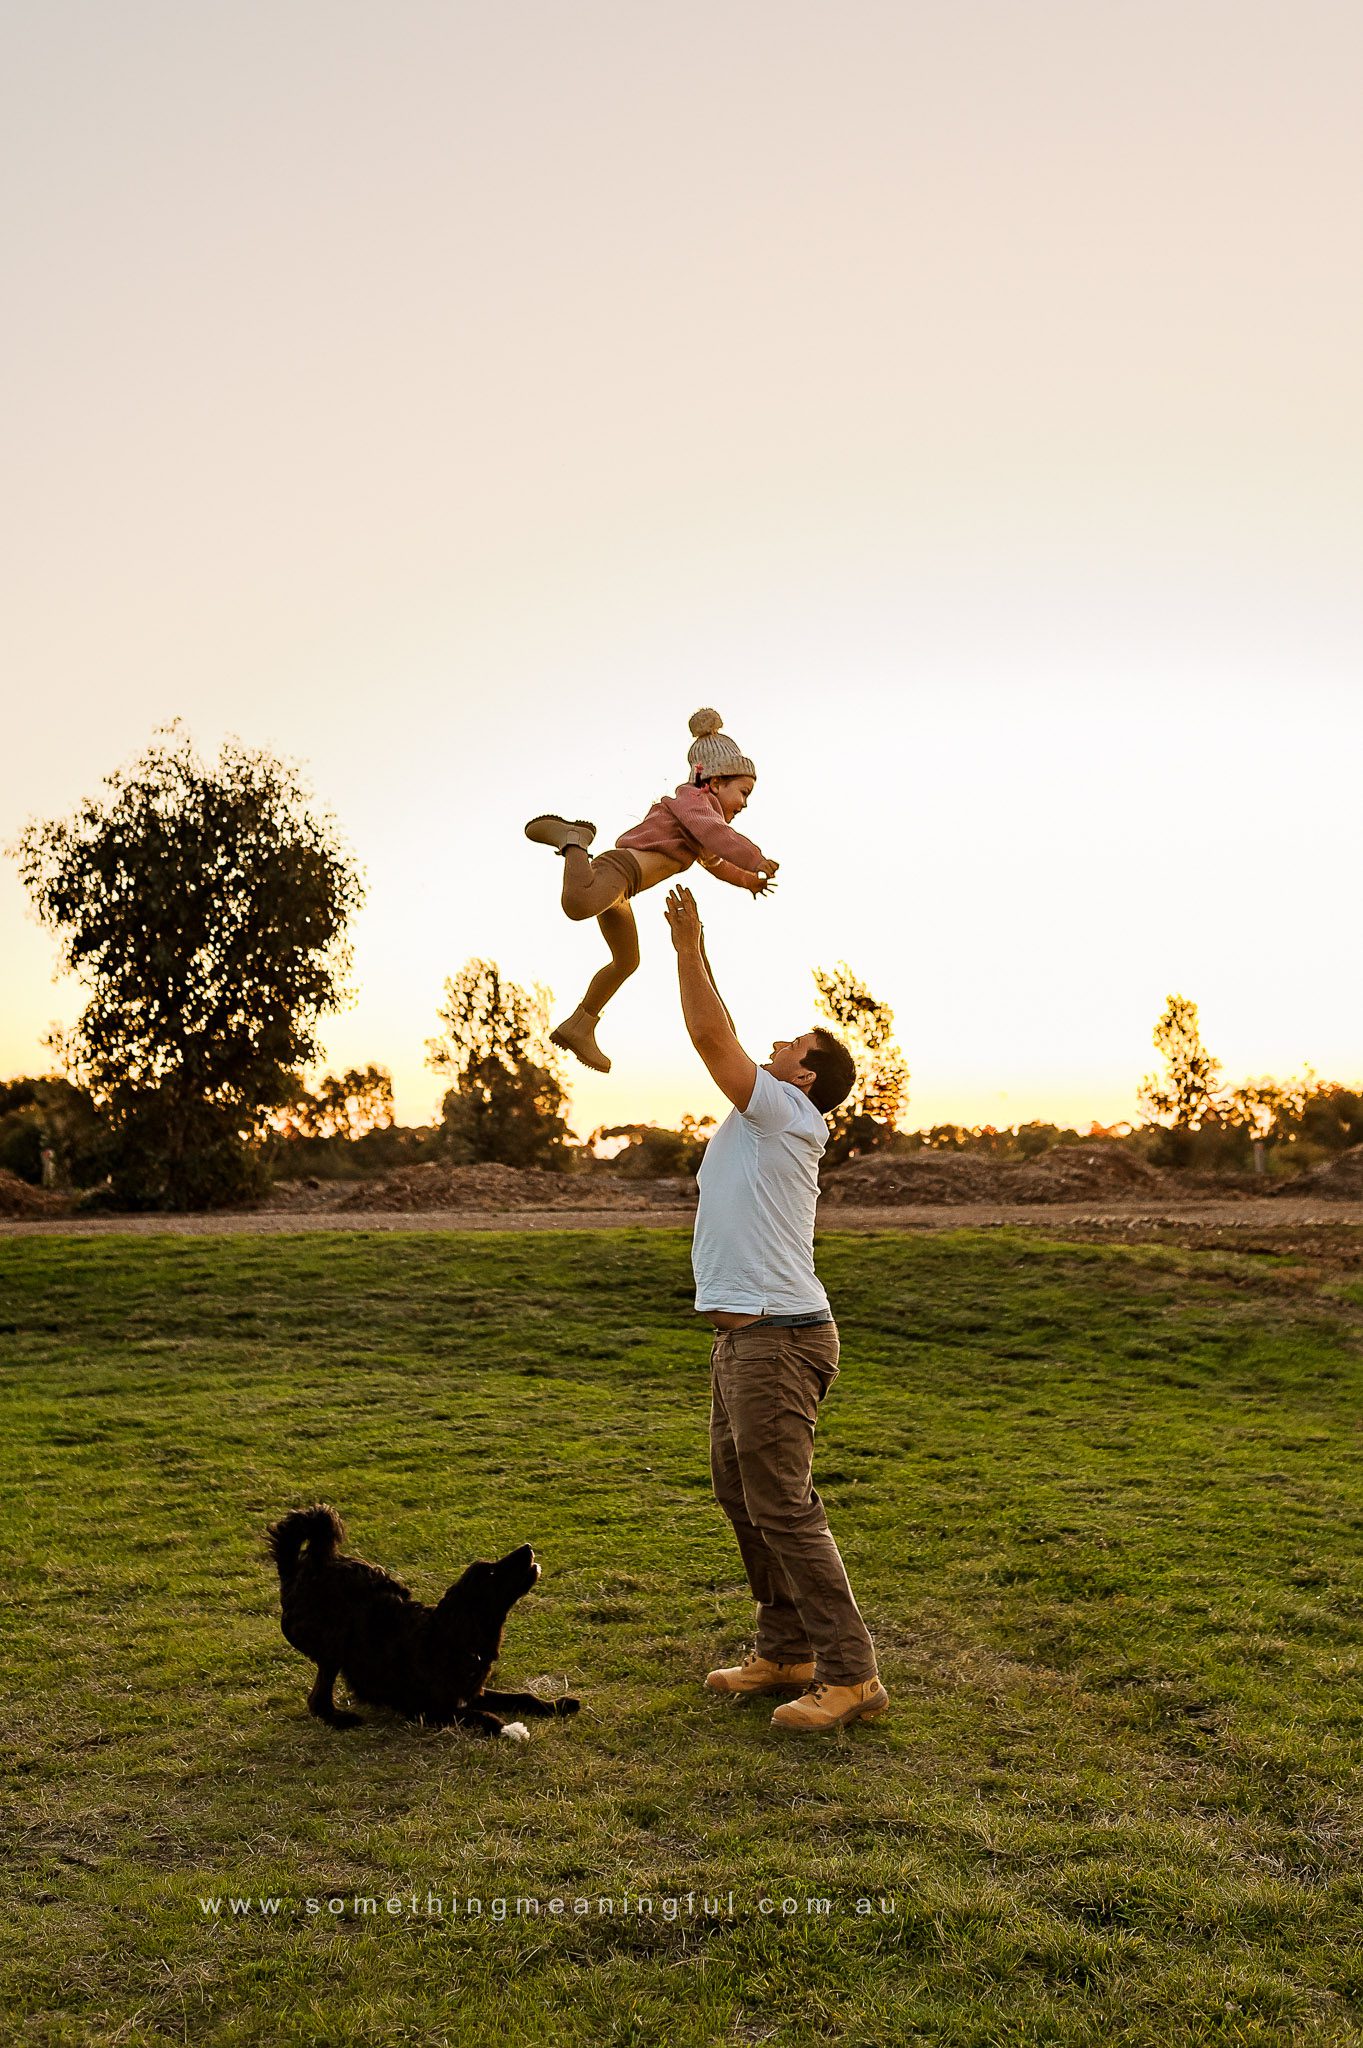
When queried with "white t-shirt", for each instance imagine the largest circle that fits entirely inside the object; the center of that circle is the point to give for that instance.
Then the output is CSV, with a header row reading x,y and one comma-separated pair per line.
x,y
753,1249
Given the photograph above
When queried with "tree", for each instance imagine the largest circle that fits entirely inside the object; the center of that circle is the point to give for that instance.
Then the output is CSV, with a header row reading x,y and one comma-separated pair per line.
x,y
1331,1116
1266,1107
507,1100
47,1124
344,1128
205,909
346,1106
652,1152
871,1114
1189,1091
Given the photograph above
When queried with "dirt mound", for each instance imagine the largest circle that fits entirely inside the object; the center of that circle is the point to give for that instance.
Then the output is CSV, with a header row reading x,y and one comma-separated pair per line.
x,y
1338,1180
432,1186
1081,1173
902,1179
29,1204
1102,1171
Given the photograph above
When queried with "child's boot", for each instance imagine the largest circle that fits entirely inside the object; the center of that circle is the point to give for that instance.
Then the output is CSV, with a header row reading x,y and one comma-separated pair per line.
x,y
560,832
577,1035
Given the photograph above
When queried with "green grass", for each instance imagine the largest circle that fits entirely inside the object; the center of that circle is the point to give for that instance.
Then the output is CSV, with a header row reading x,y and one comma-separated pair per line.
x,y
1101,1507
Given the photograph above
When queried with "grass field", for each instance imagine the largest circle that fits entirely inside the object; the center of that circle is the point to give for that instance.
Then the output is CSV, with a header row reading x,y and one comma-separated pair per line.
x,y
1101,1507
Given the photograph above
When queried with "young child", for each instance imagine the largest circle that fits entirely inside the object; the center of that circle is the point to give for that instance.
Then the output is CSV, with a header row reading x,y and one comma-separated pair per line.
x,y
694,825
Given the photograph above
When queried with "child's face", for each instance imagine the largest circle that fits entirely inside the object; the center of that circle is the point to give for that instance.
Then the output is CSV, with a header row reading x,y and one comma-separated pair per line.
x,y
733,792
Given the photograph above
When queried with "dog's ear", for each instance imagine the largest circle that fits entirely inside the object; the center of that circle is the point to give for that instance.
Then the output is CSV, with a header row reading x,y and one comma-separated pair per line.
x,y
467,1586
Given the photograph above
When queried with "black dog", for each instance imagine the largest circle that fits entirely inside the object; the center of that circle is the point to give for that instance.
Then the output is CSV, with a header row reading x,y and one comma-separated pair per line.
x,y
356,1620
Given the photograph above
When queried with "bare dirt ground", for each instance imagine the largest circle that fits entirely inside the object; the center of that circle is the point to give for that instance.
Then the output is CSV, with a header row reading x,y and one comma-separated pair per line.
x,y
1096,1193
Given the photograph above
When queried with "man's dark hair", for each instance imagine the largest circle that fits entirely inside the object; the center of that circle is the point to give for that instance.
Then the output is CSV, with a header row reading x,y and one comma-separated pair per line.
x,y
834,1071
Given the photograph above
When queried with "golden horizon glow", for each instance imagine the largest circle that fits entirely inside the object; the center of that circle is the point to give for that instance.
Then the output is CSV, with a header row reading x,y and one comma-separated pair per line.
x,y
964,401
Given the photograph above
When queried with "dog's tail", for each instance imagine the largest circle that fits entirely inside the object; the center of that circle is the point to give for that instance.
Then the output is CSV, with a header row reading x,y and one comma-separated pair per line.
x,y
319,1529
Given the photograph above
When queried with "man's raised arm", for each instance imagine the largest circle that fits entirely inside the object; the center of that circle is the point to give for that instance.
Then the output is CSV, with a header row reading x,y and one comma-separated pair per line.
x,y
707,1021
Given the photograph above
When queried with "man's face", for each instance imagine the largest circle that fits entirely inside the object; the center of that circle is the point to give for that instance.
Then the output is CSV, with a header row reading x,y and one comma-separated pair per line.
x,y
787,1062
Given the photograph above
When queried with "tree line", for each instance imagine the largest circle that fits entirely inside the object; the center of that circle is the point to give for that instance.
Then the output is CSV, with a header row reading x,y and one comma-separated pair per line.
x,y
205,909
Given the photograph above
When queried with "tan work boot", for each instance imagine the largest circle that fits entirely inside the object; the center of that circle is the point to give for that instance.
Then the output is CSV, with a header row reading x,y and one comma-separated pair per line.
x,y
560,832
577,1035
825,1707
759,1674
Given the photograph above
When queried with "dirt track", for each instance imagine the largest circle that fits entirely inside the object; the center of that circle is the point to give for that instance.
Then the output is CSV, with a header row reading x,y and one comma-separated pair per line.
x,y
1231,1223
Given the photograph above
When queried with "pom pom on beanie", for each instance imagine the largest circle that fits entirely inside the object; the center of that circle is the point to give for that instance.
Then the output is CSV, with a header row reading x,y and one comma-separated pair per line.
x,y
704,722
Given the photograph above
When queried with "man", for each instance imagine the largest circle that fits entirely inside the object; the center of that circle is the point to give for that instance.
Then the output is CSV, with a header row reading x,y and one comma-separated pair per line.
x,y
775,1351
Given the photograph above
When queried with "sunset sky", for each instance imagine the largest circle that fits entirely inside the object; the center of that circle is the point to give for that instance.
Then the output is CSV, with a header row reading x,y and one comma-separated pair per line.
x,y
965,399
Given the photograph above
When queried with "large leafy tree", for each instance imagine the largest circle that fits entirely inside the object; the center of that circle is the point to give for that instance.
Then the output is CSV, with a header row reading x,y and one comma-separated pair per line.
x,y
872,1112
507,1100
204,906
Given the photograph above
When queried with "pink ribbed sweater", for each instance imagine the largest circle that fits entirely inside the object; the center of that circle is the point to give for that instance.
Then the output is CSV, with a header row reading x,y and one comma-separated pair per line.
x,y
691,826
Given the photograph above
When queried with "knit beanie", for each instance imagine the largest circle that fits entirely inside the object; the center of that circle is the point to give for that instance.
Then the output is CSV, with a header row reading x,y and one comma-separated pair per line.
x,y
712,751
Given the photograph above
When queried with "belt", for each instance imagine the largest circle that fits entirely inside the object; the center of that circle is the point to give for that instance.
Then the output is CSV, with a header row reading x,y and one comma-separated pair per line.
x,y
800,1322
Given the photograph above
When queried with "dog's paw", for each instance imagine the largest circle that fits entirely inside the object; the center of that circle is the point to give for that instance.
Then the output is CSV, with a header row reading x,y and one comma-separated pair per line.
x,y
566,1705
341,1719
516,1731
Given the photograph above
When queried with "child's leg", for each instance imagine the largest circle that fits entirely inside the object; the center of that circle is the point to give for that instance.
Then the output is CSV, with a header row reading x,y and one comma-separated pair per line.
x,y
590,888
577,1034
621,934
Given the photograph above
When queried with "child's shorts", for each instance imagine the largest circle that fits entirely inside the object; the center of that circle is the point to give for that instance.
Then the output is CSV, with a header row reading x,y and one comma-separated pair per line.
x,y
625,865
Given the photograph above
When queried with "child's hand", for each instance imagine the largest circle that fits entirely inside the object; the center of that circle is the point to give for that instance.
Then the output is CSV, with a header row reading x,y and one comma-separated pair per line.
x,y
764,883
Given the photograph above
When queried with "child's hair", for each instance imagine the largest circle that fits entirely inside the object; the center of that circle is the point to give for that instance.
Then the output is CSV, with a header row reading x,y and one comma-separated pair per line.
x,y
834,1070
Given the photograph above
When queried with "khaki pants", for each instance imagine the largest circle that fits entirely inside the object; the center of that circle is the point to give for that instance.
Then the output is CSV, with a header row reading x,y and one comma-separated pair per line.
x,y
765,1388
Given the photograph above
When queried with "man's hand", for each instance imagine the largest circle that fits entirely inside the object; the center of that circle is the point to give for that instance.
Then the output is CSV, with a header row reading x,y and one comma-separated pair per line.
x,y
684,921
